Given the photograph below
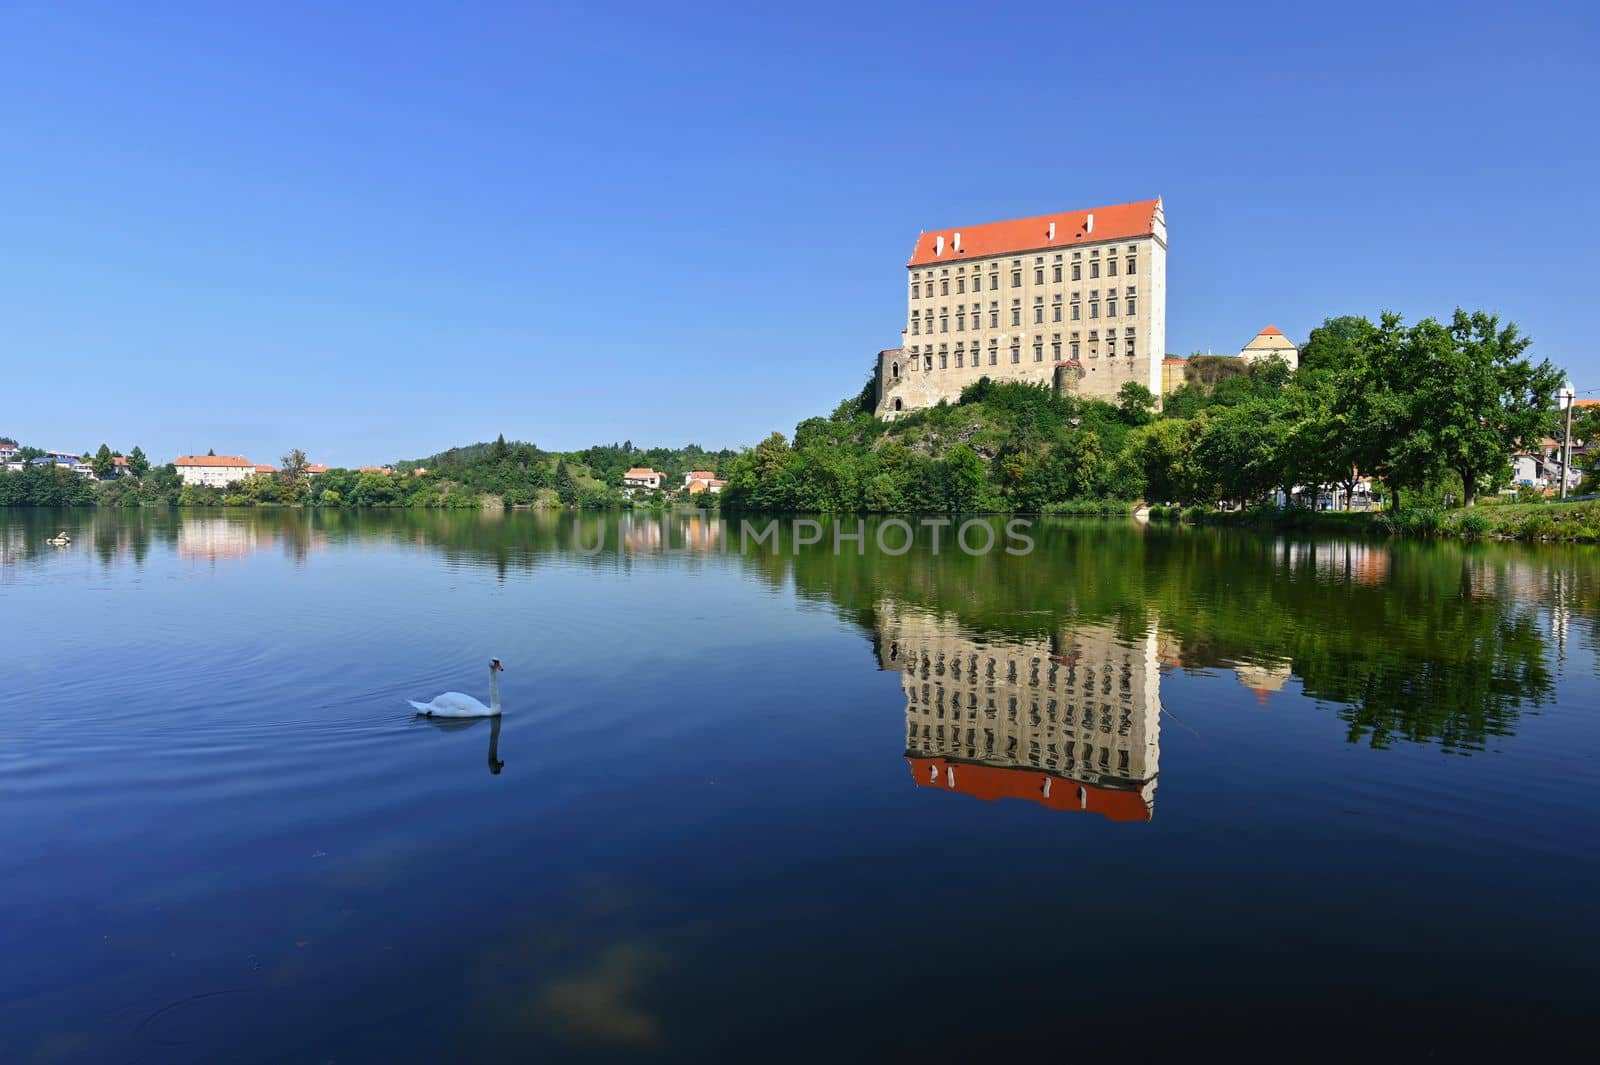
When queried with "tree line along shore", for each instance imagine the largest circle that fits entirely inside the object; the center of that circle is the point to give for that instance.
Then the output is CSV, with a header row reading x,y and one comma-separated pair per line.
x,y
1430,414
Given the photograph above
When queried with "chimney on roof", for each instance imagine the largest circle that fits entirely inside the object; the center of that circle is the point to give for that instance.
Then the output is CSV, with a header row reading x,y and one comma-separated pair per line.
x,y
1088,226
1052,231
955,243
938,244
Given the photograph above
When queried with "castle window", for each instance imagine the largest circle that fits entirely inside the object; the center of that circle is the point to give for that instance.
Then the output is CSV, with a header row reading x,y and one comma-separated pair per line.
x,y
961,358
927,361
994,315
944,286
1094,268
1132,305
1077,309
1038,310
1038,349
1016,350
1074,349
944,358
1057,274
1132,265
994,280
1016,312
916,290
994,352
1055,346
1016,278
961,320
1111,266
944,320
1077,271
1094,309
1038,275
1055,308
1111,307
961,284
894,368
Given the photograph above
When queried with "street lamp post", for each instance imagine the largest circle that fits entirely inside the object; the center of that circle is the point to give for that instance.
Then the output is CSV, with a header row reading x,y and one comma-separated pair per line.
x,y
1565,397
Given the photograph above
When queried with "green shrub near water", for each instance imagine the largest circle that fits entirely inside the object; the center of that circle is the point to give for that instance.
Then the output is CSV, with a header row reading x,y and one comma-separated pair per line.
x,y
1474,526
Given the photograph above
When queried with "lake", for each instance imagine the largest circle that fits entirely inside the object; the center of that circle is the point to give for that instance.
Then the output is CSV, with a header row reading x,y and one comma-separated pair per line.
x,y
1137,790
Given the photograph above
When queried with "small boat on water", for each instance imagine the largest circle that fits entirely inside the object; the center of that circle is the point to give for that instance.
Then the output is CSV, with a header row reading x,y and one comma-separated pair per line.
x,y
60,539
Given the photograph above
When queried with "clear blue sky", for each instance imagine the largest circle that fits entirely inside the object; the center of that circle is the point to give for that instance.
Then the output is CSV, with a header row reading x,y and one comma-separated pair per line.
x,y
376,230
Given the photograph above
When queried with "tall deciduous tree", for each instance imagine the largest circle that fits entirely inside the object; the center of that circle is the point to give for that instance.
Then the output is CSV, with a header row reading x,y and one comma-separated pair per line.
x,y
138,462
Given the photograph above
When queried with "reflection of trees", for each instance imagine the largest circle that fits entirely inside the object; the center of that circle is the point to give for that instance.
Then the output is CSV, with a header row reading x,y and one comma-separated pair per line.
x,y
1429,642
1439,643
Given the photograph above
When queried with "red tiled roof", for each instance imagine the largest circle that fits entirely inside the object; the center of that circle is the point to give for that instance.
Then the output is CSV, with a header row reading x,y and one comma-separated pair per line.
x,y
1173,360
212,460
641,471
316,467
265,469
1270,331
1121,221
1000,782
702,475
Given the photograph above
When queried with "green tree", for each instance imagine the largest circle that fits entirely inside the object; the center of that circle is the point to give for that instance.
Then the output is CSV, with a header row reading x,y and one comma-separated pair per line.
x,y
1136,403
138,463
104,464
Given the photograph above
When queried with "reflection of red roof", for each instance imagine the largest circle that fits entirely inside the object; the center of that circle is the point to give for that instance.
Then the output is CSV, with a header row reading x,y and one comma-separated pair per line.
x,y
1119,222
990,782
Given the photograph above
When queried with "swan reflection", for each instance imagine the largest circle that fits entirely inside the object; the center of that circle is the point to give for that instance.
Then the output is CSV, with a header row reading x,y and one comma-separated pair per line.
x,y
459,724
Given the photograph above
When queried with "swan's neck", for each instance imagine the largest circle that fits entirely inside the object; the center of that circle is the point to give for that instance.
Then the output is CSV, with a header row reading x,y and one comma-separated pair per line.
x,y
494,688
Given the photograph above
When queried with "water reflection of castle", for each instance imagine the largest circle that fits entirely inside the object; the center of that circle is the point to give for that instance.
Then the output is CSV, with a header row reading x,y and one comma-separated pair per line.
x,y
1071,722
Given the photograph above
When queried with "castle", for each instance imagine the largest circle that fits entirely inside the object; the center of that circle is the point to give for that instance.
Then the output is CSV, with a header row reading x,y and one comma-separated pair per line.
x,y
1075,300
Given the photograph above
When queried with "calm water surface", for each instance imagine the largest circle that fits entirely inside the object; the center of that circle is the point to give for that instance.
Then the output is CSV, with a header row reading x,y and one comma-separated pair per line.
x,y
1140,791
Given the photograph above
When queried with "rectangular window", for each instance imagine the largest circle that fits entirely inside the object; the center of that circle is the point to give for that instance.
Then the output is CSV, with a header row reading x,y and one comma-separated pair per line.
x,y
961,321
1077,308
1055,346
944,286
1057,273
944,358
994,316
1077,271
1132,266
1130,347
916,326
1016,351
1038,310
994,280
1038,349
1055,310
960,357
1094,271
1111,266
1111,307
1132,305
961,284
916,290
1016,279
1016,312
1094,309
1038,275
1074,349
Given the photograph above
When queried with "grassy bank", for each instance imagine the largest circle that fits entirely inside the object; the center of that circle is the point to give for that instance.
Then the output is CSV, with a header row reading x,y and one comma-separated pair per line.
x,y
1557,522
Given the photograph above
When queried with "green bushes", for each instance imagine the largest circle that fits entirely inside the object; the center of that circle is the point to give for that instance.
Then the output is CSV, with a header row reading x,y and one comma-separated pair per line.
x,y
1089,508
1474,526
1195,514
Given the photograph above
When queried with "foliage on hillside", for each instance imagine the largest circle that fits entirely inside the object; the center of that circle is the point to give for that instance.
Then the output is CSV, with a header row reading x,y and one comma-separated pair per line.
x,y
1433,409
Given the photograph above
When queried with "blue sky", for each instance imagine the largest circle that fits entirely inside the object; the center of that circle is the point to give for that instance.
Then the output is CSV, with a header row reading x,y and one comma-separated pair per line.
x,y
374,231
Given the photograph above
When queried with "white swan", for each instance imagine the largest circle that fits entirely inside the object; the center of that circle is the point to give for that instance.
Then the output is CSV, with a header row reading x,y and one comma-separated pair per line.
x,y
455,704
60,539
